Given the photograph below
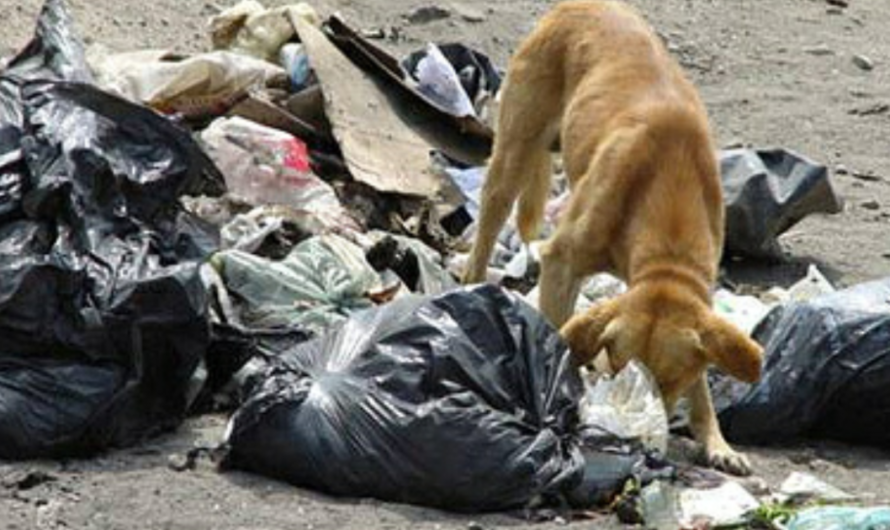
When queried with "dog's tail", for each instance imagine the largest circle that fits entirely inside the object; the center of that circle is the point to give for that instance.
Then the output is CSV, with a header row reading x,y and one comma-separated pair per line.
x,y
533,198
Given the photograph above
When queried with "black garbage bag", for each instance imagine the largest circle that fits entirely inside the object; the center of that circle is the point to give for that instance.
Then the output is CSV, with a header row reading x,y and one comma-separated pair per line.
x,y
102,308
54,53
826,373
766,192
466,401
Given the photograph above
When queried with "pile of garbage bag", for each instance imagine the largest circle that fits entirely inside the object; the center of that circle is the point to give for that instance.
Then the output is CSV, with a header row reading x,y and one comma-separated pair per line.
x,y
274,228
103,312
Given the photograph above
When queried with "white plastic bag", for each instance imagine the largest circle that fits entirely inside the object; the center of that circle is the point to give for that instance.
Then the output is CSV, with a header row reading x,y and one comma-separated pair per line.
x,y
628,406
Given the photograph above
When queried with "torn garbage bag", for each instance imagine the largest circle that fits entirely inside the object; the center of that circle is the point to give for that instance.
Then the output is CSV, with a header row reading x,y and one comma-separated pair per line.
x,y
466,401
824,358
102,309
318,284
766,192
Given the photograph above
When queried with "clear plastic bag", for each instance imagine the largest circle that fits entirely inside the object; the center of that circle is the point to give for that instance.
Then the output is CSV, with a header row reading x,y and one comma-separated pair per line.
x,y
265,166
318,284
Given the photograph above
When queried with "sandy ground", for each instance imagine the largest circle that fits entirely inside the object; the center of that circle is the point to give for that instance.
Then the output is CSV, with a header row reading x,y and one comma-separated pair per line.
x,y
773,73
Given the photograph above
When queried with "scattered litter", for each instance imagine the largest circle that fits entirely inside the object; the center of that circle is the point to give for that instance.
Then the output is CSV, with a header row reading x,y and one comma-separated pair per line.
x,y
296,63
297,265
478,76
863,62
671,507
417,265
470,182
767,192
380,149
466,140
427,14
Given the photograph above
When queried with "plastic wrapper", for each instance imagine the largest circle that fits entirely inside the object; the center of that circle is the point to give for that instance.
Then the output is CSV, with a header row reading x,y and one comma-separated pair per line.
x,y
766,192
824,358
318,284
466,401
102,309
265,166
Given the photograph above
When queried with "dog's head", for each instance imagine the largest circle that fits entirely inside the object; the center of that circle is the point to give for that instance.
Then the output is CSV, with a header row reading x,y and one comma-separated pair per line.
x,y
672,332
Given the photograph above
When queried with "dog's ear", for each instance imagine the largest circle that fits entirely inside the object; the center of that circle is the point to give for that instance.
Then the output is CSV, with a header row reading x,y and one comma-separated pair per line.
x,y
586,334
730,349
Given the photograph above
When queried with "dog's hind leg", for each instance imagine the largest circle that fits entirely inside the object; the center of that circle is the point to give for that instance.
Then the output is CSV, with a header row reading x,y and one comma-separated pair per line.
x,y
520,165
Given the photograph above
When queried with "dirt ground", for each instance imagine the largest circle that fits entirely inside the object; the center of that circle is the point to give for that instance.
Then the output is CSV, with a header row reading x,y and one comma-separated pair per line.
x,y
773,73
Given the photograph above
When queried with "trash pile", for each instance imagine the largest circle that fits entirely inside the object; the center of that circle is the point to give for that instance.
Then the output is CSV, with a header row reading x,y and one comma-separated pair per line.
x,y
275,227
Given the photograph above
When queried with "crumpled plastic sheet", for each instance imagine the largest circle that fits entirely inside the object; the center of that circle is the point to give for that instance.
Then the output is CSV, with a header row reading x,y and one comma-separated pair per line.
x,y
824,359
766,192
467,401
102,309
319,283
627,406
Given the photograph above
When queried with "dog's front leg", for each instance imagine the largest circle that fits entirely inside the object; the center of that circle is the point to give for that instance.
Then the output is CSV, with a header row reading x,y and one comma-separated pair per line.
x,y
559,285
706,429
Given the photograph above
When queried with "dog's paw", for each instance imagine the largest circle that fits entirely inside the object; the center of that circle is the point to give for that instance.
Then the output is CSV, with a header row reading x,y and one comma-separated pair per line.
x,y
727,460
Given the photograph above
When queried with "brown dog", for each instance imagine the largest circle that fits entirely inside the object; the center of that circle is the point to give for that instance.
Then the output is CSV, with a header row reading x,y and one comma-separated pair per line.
x,y
646,202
